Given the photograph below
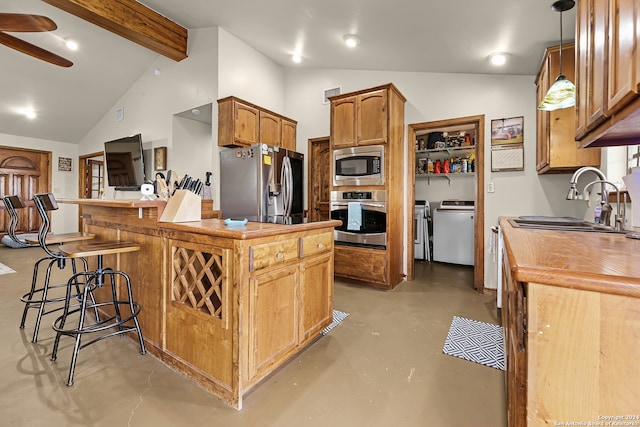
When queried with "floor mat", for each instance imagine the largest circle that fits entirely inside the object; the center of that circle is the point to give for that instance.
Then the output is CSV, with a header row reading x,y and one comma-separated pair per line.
x,y
475,341
338,317
5,269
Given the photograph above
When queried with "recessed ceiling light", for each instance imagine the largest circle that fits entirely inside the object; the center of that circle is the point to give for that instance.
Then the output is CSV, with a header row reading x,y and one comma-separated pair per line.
x,y
30,114
498,59
351,40
296,58
71,44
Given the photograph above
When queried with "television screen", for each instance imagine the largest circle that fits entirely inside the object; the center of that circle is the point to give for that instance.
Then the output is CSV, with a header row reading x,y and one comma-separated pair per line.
x,y
125,162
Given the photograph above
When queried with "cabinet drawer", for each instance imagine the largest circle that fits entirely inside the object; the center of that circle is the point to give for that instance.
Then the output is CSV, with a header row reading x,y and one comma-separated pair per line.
x,y
319,243
272,253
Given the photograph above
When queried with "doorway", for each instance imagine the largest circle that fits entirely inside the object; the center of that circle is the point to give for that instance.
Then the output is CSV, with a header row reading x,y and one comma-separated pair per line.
x,y
477,124
24,172
91,178
319,181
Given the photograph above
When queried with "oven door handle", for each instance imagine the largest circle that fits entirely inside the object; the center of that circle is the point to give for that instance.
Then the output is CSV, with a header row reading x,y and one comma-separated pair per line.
x,y
378,206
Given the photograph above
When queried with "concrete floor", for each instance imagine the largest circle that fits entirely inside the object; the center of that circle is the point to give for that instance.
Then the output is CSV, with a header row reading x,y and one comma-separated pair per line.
x,y
383,366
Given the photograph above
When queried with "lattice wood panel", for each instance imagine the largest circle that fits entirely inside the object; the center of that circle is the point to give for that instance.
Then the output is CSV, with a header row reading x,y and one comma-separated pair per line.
x,y
198,280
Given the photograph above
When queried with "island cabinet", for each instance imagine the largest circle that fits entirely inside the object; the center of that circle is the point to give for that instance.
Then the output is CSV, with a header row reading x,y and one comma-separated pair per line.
x,y
241,123
226,306
571,322
557,150
608,73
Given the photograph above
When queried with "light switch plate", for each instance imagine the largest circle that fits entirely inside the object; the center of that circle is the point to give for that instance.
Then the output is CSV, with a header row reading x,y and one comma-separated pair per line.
x,y
491,188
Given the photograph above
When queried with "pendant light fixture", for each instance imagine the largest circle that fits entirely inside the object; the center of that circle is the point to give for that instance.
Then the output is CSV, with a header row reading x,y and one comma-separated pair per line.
x,y
562,94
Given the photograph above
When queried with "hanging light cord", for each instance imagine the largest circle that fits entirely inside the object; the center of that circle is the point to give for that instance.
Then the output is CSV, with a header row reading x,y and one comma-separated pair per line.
x,y
561,42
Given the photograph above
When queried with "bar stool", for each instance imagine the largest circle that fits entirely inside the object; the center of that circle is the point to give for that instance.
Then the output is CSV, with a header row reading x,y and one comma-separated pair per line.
x,y
39,298
114,324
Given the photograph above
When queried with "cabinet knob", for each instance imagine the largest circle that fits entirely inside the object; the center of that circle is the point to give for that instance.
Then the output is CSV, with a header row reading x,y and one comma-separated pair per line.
x,y
320,245
279,255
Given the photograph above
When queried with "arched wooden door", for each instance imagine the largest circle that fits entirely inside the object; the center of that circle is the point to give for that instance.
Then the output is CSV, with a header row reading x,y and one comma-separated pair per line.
x,y
24,172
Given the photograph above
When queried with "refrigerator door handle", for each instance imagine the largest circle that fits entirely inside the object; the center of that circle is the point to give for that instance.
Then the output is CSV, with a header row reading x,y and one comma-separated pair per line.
x,y
286,179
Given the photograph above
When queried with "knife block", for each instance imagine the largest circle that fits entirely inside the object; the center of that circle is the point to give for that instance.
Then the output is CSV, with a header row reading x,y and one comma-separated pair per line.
x,y
183,206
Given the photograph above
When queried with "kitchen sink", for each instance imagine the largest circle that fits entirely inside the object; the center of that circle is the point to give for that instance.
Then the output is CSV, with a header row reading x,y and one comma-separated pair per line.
x,y
561,224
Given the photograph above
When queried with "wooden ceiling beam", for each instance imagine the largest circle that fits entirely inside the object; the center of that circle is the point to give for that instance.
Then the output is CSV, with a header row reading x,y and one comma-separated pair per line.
x,y
133,21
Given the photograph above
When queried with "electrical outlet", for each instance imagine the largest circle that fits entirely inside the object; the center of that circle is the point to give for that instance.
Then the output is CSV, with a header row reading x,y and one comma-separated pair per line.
x,y
491,188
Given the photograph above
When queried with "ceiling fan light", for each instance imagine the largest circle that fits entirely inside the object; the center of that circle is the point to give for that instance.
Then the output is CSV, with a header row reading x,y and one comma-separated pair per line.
x,y
562,94
71,44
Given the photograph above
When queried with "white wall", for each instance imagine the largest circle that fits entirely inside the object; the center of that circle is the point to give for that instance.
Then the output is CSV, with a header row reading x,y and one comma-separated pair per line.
x,y
432,96
63,184
151,102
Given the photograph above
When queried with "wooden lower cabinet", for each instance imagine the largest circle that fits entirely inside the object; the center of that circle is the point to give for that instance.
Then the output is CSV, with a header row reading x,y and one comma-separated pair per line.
x,y
360,264
571,354
273,318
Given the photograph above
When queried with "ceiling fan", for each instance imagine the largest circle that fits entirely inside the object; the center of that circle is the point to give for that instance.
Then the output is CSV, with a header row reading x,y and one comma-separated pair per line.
x,y
20,23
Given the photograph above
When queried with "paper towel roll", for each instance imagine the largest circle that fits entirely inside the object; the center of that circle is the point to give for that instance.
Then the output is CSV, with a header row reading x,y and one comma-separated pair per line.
x,y
632,182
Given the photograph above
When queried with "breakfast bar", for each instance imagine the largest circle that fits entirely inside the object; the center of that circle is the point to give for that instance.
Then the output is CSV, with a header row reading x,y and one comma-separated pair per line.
x,y
224,305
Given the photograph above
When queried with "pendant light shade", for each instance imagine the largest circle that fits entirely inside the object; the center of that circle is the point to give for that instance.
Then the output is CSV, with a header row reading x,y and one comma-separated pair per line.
x,y
562,94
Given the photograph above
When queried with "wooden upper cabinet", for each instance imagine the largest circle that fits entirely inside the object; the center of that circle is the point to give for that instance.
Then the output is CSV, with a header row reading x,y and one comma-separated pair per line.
x,y
557,150
371,118
360,119
608,67
343,122
270,129
241,123
289,134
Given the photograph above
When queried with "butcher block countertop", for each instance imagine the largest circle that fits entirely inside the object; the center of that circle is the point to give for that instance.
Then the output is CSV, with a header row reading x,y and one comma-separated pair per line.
x,y
599,262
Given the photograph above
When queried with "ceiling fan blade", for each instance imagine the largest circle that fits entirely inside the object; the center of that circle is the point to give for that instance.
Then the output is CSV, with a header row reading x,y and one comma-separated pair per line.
x,y
33,50
19,22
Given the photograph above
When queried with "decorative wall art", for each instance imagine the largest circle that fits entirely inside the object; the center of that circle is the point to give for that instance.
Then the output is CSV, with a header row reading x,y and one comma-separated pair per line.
x,y
507,144
64,164
160,158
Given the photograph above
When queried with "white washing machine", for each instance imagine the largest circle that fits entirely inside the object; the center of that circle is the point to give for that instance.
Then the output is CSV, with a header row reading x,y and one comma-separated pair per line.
x,y
453,232
421,237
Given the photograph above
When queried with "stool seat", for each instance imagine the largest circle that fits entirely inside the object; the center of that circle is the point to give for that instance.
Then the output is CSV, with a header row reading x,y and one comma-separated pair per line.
x,y
97,247
56,239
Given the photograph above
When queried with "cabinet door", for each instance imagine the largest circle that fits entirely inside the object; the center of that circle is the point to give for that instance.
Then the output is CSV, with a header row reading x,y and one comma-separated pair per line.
x,y
316,295
270,129
246,124
591,72
273,318
289,135
542,124
372,118
621,53
343,122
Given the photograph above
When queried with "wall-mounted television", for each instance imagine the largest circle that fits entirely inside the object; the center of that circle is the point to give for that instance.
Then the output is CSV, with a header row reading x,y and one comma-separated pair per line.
x,y
124,162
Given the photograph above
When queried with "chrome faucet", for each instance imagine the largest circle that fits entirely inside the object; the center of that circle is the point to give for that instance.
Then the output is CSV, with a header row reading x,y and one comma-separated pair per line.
x,y
573,191
574,194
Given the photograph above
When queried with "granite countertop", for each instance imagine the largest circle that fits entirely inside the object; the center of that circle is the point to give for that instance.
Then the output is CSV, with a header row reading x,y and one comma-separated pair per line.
x,y
600,262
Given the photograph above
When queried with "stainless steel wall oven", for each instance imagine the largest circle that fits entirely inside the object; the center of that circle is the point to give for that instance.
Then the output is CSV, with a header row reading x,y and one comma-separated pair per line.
x,y
363,215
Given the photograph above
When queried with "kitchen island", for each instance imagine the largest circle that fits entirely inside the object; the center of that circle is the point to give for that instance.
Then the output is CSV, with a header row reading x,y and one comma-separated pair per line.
x,y
224,305
571,321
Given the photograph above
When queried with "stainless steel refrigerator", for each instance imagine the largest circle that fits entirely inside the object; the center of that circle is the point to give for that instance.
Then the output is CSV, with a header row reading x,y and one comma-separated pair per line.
x,y
262,183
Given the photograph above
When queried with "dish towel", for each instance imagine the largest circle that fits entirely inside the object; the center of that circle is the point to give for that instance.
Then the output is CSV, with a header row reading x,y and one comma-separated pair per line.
x,y
354,216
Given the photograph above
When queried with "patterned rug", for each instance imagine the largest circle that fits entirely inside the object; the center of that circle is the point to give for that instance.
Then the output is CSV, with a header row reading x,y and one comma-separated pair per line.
x,y
5,269
475,341
338,317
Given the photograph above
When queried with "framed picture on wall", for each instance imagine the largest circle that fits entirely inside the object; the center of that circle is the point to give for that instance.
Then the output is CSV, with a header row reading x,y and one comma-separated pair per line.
x,y
160,158
507,144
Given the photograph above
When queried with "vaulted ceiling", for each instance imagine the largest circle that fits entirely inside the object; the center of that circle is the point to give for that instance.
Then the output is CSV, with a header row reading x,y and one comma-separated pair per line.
x,y
454,36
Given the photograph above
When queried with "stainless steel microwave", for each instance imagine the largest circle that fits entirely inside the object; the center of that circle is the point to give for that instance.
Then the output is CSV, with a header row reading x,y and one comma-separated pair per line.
x,y
362,165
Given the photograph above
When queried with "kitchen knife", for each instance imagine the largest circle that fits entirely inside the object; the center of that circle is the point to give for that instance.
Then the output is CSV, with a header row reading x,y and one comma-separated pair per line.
x,y
207,187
